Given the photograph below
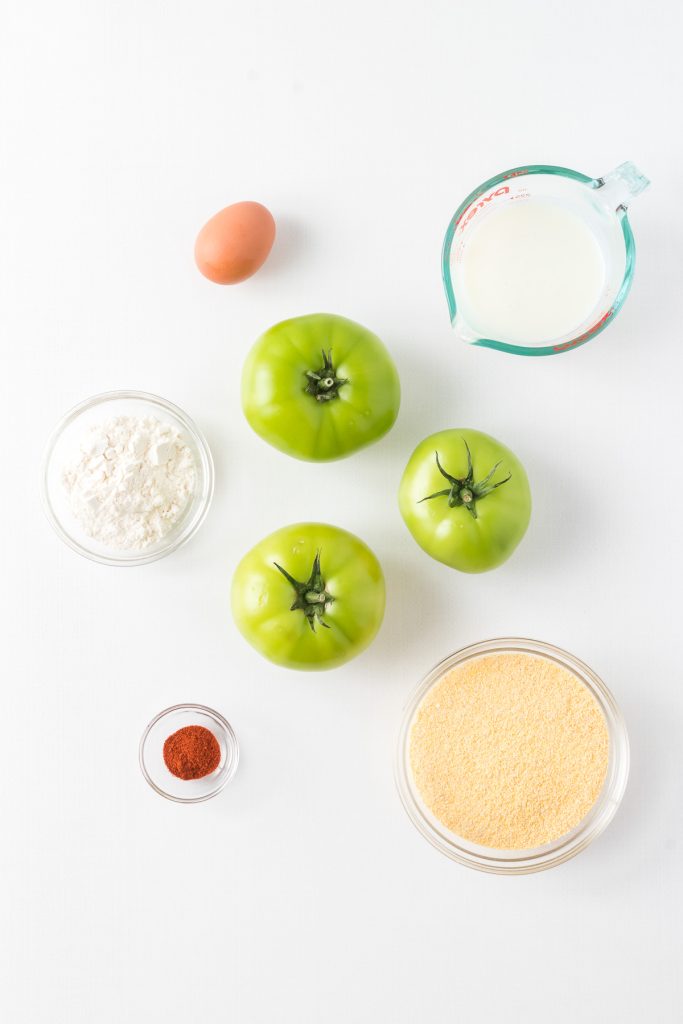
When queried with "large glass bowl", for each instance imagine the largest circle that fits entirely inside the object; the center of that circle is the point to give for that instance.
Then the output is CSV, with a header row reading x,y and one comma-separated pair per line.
x,y
517,862
63,446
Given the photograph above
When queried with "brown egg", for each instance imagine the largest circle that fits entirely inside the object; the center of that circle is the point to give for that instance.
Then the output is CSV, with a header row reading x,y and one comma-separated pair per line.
x,y
235,242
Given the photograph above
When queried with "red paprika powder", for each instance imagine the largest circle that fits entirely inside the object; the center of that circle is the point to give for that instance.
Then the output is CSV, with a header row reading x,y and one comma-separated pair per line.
x,y
192,752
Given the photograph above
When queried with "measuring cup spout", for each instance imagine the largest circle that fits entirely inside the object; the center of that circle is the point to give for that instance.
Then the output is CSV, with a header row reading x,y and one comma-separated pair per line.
x,y
621,185
463,331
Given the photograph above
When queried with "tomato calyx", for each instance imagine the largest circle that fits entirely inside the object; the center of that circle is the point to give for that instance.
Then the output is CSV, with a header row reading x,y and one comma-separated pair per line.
x,y
311,597
323,384
466,492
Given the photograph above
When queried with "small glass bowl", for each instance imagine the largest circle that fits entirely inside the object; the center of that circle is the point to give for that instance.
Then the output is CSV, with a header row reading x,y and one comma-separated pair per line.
x,y
63,446
153,766
517,862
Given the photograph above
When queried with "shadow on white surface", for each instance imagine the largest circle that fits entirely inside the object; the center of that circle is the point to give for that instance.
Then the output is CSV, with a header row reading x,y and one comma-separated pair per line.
x,y
291,247
411,620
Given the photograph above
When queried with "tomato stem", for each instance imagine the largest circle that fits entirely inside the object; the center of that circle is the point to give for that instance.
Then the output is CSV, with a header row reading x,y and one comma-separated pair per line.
x,y
312,597
464,492
323,384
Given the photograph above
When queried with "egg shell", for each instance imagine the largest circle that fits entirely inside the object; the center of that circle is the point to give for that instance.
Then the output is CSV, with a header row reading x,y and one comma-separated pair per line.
x,y
235,243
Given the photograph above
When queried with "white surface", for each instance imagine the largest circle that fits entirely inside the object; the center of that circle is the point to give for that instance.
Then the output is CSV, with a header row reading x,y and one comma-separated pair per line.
x,y
302,893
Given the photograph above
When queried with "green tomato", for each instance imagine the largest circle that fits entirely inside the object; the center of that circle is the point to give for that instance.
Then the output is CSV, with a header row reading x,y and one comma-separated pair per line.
x,y
309,596
465,498
319,387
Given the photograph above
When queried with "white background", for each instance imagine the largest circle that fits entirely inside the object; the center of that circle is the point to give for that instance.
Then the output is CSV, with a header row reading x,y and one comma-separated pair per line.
x,y
303,894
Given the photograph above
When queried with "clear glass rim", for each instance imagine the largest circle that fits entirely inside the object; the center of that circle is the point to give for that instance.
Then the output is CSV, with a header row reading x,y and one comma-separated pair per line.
x,y
517,862
231,761
606,319
203,451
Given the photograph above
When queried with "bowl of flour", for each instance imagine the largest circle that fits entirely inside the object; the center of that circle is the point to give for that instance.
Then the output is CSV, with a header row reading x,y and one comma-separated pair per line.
x,y
127,478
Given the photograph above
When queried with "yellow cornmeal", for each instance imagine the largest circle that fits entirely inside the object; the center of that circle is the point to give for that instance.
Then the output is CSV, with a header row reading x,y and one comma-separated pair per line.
x,y
509,750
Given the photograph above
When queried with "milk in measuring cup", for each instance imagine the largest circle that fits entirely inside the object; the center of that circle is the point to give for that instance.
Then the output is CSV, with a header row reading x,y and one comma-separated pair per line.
x,y
539,259
531,270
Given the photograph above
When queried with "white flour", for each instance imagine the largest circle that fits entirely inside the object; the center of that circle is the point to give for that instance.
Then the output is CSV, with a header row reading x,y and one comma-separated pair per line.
x,y
131,482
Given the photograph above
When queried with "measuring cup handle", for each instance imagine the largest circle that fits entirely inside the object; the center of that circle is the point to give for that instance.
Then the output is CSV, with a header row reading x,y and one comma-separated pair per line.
x,y
620,186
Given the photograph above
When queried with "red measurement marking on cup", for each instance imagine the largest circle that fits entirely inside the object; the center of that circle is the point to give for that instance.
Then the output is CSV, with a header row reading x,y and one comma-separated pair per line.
x,y
467,215
586,334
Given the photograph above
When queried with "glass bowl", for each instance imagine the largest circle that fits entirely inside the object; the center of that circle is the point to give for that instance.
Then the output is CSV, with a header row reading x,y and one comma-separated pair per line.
x,y
517,862
153,766
63,446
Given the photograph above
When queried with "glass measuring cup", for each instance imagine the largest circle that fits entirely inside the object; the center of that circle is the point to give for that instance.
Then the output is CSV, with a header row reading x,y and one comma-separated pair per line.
x,y
592,210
